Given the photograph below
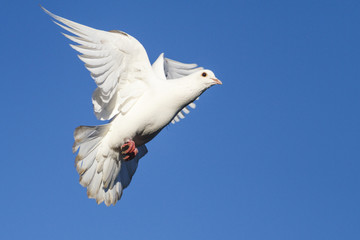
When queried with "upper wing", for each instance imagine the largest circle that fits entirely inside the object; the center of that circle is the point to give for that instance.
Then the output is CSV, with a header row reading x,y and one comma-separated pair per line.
x,y
117,62
166,69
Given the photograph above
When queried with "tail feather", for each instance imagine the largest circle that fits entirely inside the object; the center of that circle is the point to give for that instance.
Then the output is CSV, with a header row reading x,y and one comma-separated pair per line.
x,y
84,134
101,168
94,185
87,176
83,163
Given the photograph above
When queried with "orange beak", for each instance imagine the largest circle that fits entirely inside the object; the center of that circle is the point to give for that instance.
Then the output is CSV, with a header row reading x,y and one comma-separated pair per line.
x,y
217,81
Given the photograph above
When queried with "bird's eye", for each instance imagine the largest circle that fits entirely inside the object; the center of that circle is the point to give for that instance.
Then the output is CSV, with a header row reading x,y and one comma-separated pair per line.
x,y
204,74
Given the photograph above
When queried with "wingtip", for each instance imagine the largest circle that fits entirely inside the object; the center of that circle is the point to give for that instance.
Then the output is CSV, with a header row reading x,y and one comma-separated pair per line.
x,y
44,9
50,13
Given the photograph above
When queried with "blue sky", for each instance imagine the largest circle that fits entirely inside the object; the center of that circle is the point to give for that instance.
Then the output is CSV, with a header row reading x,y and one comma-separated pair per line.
x,y
273,153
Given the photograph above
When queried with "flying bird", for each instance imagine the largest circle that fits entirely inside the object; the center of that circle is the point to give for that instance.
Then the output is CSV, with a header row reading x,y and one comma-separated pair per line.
x,y
138,100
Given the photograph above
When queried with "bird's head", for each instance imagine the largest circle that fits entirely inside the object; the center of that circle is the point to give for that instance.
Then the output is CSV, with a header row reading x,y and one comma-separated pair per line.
x,y
198,82
206,78
189,88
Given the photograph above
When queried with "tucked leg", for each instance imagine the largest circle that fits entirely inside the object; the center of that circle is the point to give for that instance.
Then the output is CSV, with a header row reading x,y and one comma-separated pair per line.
x,y
129,150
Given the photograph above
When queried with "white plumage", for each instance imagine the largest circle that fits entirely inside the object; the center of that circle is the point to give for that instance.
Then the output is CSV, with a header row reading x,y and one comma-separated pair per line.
x,y
138,100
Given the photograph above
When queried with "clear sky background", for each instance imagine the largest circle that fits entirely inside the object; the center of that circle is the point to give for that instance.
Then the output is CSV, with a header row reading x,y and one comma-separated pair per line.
x,y
273,153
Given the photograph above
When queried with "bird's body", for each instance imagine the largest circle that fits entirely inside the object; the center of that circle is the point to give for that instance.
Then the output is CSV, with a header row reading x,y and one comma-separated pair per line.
x,y
153,118
138,99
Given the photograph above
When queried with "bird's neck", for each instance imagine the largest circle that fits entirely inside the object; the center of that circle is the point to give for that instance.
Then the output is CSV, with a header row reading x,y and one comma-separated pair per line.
x,y
183,91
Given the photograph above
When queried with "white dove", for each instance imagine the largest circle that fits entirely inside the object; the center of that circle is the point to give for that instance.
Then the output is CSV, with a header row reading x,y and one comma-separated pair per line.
x,y
136,97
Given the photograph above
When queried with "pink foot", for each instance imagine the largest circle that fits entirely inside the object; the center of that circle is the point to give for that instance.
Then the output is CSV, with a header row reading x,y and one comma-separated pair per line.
x,y
129,150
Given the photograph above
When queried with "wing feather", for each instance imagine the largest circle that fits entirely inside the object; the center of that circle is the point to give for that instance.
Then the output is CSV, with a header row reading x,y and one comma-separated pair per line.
x,y
115,61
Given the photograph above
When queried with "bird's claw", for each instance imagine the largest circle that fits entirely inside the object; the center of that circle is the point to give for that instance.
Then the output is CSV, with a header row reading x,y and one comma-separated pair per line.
x,y
129,150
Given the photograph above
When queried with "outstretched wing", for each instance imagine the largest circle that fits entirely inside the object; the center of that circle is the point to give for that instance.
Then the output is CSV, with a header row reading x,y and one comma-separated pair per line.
x,y
168,69
117,62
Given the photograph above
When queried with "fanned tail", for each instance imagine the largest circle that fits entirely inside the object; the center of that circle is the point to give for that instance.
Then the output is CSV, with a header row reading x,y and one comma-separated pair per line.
x,y
101,168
